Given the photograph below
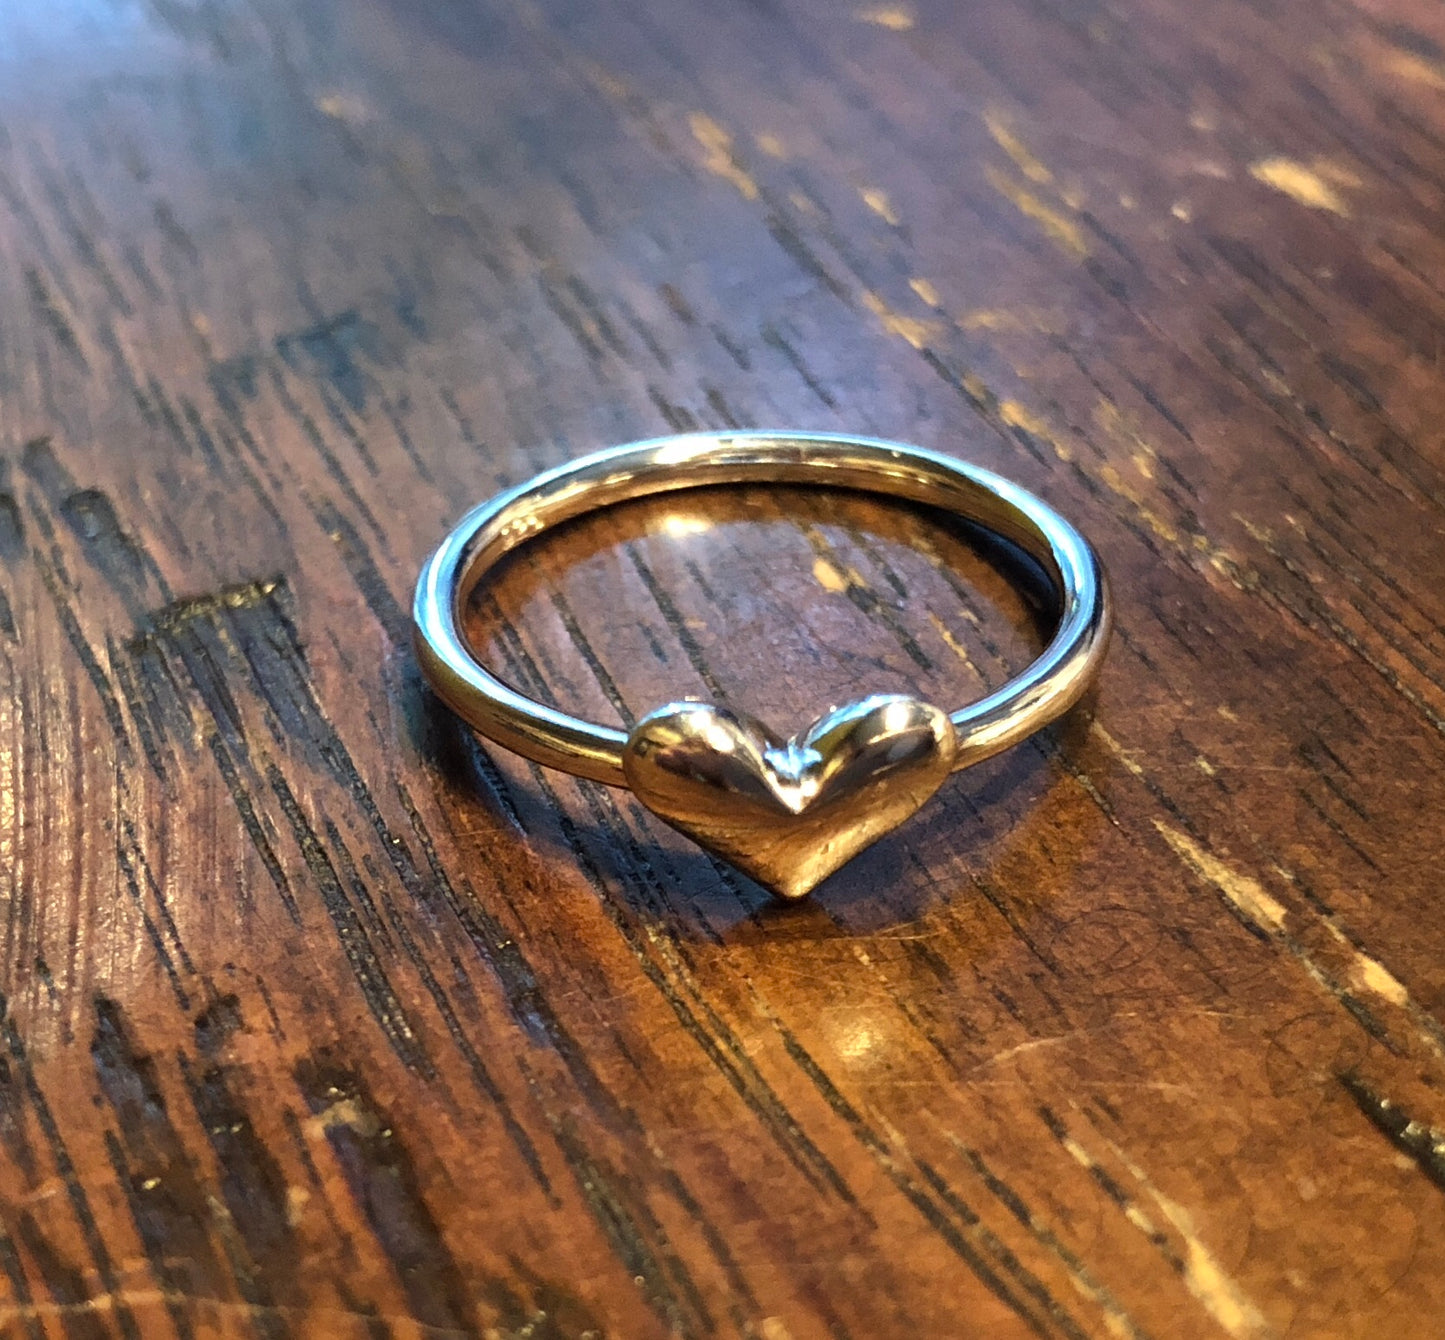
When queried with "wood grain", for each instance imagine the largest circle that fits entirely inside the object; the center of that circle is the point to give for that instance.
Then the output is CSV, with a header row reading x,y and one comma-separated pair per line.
x,y
323,1020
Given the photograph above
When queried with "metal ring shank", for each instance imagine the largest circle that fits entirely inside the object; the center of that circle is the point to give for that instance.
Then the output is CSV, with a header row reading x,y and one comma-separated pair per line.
x,y
1045,690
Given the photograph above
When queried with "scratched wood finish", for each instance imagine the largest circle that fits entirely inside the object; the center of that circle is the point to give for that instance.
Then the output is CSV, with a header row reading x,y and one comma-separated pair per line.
x,y
323,1020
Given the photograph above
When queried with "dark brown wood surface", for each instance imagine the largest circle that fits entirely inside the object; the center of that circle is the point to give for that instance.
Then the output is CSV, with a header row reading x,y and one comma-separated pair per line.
x,y
323,1020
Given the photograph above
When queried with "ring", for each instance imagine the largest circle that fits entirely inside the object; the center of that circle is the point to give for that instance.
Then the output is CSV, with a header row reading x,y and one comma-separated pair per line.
x,y
788,813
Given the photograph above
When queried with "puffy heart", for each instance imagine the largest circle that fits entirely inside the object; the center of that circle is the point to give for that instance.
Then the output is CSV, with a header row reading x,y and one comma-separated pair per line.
x,y
789,814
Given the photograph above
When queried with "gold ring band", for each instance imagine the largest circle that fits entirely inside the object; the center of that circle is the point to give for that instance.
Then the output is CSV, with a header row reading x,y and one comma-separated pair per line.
x,y
788,813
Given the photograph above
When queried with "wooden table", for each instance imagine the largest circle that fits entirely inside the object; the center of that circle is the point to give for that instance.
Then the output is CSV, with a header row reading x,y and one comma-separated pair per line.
x,y
323,1020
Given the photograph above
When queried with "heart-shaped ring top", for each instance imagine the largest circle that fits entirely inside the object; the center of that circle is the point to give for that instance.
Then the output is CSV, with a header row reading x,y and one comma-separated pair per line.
x,y
789,813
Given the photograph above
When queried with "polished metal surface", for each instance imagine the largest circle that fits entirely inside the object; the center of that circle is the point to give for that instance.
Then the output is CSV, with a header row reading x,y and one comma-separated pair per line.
x,y
1042,692
790,813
